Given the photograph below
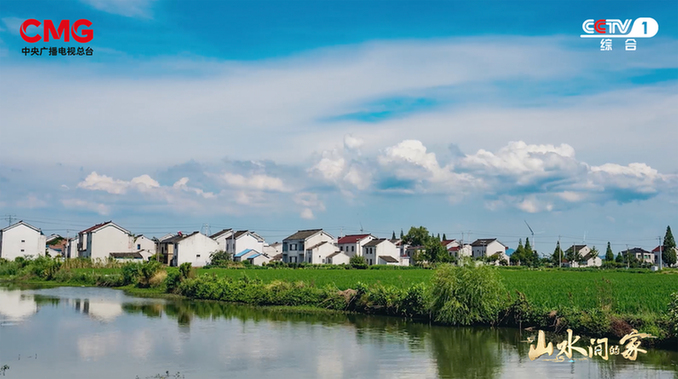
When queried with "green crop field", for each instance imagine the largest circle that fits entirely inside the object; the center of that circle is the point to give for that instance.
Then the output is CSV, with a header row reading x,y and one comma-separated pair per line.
x,y
627,292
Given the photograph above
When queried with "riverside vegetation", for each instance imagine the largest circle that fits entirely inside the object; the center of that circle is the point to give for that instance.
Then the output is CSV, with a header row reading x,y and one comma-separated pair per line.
x,y
591,302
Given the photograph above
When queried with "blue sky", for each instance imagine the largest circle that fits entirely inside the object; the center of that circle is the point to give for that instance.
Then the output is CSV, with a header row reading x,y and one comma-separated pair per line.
x,y
274,116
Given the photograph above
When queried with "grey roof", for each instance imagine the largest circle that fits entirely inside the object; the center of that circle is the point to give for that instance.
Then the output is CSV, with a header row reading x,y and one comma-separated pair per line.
x,y
134,255
374,242
22,223
483,241
636,250
334,254
303,234
217,234
173,239
316,245
388,258
576,248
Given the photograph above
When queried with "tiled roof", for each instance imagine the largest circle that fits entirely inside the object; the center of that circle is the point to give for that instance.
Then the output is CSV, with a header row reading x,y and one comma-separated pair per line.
x,y
352,238
303,234
316,245
388,258
334,254
217,234
135,255
447,242
375,242
97,226
245,252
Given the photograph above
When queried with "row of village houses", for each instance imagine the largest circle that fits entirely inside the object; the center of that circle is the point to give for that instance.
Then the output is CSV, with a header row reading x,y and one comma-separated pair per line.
x,y
315,246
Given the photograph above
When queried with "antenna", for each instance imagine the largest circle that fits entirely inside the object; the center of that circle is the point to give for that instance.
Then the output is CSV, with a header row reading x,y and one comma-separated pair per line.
x,y
361,227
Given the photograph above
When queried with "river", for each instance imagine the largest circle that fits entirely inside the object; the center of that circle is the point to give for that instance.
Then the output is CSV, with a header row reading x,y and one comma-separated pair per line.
x,y
82,332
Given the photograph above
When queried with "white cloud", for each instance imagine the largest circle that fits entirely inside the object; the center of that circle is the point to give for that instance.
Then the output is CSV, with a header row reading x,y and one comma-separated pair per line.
x,y
99,208
13,24
307,214
94,182
255,182
32,202
352,143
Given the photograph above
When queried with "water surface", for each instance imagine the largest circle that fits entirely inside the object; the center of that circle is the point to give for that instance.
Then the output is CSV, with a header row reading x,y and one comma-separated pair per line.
x,y
72,332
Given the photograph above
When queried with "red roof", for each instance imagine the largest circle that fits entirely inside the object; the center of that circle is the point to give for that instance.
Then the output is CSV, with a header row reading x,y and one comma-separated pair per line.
x,y
352,238
447,242
454,248
97,226
656,249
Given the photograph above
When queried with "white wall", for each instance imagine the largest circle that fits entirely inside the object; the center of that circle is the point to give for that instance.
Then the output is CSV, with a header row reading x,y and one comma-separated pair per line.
x,y
385,247
244,242
195,249
353,249
20,241
340,258
319,254
109,239
221,240
144,243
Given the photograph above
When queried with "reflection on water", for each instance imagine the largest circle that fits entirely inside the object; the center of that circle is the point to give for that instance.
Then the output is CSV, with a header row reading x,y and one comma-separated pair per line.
x,y
96,332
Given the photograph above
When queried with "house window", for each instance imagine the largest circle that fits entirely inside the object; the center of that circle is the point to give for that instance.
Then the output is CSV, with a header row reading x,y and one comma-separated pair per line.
x,y
352,248
138,246
197,255
22,250
341,248
23,240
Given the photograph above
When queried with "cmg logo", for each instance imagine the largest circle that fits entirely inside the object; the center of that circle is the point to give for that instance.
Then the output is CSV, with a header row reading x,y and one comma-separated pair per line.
x,y
64,30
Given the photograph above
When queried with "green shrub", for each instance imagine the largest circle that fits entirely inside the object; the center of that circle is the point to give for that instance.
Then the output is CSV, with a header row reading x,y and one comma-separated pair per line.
x,y
358,262
466,295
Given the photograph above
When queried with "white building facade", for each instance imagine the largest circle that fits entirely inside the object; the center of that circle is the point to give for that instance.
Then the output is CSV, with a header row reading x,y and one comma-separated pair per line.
x,y
21,239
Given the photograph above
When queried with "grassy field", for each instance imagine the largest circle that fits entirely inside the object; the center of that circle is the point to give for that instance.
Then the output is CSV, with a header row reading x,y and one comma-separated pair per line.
x,y
625,292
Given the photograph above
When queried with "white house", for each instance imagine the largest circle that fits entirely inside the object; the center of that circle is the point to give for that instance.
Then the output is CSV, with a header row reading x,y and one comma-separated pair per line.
x,y
318,253
581,250
244,255
21,239
72,248
147,247
294,246
100,240
487,247
243,240
273,249
381,251
194,248
642,255
338,258
221,237
259,259
353,244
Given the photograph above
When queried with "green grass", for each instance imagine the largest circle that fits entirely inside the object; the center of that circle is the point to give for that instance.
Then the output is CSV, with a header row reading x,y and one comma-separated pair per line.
x,y
343,279
631,292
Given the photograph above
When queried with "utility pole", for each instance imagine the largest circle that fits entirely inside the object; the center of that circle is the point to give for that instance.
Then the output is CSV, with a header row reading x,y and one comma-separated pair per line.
x,y
660,251
10,219
627,256
560,252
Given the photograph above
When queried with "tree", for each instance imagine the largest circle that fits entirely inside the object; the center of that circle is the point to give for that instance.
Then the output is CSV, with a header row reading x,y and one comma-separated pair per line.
x,y
416,236
517,256
444,237
358,262
609,255
594,252
436,252
557,254
401,234
393,235
220,258
619,258
438,237
669,248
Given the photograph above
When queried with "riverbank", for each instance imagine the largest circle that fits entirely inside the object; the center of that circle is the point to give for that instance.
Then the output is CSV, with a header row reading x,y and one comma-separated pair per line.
x,y
590,303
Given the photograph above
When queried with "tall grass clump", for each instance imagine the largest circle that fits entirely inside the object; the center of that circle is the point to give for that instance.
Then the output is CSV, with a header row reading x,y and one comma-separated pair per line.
x,y
466,295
